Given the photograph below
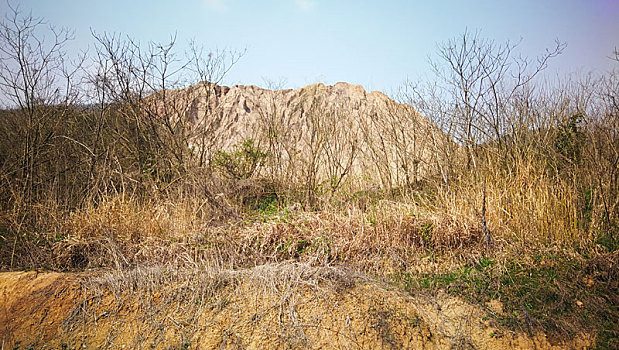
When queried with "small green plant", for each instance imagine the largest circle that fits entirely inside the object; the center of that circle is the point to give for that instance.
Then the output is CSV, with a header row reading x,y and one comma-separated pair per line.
x,y
242,162
545,295
426,232
323,243
485,262
570,139
267,205
609,238
302,246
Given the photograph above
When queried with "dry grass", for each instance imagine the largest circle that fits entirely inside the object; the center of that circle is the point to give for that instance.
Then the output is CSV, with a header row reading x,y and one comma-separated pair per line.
x,y
387,236
377,237
408,240
526,205
178,297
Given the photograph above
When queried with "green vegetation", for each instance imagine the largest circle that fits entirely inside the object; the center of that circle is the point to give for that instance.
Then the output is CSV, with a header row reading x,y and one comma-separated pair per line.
x,y
553,292
242,162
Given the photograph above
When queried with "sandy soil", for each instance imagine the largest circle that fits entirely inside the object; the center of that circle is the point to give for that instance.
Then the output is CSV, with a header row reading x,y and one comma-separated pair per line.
x,y
61,310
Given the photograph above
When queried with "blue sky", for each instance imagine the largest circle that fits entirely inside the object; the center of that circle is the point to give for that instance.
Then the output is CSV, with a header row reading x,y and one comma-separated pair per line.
x,y
377,44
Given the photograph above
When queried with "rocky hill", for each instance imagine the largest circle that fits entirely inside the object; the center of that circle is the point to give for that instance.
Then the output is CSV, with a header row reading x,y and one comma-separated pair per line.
x,y
334,131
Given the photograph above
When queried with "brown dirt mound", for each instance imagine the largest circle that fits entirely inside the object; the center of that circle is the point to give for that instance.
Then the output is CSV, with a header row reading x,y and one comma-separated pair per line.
x,y
273,306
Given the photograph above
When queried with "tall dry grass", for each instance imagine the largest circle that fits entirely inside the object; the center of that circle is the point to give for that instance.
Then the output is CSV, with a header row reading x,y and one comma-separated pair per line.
x,y
527,205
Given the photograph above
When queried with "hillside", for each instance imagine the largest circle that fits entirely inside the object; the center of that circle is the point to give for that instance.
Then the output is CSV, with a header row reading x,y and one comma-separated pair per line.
x,y
143,204
338,130
322,217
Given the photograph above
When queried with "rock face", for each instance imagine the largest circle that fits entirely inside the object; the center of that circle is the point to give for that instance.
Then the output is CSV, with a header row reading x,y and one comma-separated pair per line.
x,y
333,133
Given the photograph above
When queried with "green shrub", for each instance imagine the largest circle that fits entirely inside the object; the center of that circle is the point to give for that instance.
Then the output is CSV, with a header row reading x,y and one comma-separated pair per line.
x,y
242,162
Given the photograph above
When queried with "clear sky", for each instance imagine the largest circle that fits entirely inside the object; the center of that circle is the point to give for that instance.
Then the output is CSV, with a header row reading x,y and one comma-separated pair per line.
x,y
377,44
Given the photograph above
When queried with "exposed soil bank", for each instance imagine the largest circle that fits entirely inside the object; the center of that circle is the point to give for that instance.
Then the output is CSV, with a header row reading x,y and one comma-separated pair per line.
x,y
279,307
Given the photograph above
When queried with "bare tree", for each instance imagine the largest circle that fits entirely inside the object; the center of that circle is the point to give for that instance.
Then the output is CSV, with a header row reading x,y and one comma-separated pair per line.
x,y
36,81
427,100
484,100
342,147
313,110
276,134
480,81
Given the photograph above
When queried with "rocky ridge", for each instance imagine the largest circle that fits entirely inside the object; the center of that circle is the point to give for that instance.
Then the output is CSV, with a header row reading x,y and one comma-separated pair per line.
x,y
336,131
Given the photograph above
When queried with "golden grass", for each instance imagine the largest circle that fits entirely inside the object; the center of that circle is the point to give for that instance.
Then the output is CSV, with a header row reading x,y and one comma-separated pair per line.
x,y
128,221
429,229
525,209
523,206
